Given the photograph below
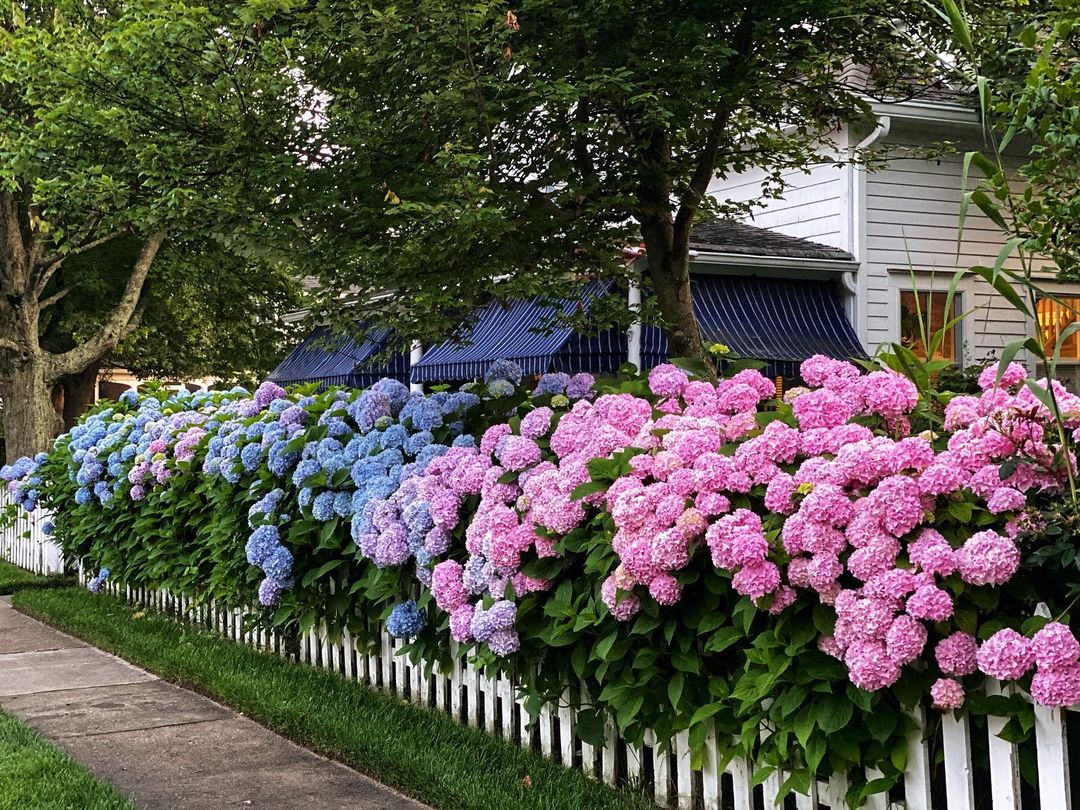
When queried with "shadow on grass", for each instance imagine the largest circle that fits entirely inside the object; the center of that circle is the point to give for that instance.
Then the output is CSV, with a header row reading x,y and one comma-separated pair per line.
x,y
13,578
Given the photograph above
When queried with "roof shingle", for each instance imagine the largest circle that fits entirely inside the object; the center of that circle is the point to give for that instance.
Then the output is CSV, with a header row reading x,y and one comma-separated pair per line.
x,y
729,236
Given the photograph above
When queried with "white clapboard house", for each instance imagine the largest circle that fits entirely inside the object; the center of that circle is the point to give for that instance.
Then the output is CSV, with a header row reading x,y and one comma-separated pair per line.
x,y
900,223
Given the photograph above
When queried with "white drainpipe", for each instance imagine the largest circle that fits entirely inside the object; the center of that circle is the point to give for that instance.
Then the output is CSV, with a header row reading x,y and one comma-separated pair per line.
x,y
417,352
856,176
633,334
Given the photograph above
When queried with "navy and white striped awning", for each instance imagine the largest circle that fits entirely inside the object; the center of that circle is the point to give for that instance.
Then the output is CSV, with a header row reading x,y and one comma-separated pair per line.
x,y
779,320
518,332
335,359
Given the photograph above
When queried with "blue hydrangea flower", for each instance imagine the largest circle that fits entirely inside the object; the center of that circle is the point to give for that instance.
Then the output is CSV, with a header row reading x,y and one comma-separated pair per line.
x,y
278,565
504,370
263,542
322,508
406,620
552,384
500,388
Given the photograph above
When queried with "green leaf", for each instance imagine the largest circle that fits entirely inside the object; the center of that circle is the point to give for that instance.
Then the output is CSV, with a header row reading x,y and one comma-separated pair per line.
x,y
833,712
675,689
589,727
722,639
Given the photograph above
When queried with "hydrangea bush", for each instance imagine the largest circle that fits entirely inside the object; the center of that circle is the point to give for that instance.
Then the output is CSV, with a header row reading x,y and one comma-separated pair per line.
x,y
684,554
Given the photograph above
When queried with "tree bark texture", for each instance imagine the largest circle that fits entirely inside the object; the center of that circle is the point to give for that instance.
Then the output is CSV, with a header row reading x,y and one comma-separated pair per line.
x,y
29,373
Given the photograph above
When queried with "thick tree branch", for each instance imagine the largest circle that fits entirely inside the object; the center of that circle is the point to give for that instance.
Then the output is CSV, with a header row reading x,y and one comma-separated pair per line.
x,y
690,200
13,267
112,331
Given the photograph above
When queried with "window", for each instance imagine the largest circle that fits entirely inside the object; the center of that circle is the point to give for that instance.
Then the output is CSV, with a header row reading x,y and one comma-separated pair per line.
x,y
1055,315
931,306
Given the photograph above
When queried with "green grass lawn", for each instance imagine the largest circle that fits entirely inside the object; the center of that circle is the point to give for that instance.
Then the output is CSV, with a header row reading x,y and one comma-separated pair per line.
x,y
420,752
13,578
34,774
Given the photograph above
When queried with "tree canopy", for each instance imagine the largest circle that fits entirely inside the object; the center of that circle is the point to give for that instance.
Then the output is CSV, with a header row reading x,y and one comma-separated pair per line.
x,y
206,311
162,123
504,150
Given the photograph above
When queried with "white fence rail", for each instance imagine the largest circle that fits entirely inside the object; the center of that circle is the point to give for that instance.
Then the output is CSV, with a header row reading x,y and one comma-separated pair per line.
x,y
948,769
25,545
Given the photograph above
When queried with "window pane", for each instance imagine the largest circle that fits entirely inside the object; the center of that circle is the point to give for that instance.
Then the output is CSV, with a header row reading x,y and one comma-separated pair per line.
x,y
931,306
1054,317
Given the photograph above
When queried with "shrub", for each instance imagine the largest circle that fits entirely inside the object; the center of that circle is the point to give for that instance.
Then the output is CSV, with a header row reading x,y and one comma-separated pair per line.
x,y
691,554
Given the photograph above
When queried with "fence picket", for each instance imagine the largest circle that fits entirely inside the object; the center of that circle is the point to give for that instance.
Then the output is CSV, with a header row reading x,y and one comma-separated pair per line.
x,y
1004,759
917,772
710,777
683,778
956,734
1053,758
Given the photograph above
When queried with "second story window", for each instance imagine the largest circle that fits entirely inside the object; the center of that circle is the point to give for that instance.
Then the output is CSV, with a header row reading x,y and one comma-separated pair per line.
x,y
914,331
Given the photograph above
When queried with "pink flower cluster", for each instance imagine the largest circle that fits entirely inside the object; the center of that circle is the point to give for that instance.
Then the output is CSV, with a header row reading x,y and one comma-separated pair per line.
x,y
839,504
1054,652
857,498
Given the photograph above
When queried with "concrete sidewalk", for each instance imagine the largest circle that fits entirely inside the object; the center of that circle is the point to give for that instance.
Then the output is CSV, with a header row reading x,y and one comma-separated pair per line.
x,y
162,745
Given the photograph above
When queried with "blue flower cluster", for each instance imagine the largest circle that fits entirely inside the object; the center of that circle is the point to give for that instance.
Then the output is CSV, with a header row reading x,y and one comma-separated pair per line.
x,y
348,456
95,584
23,482
406,620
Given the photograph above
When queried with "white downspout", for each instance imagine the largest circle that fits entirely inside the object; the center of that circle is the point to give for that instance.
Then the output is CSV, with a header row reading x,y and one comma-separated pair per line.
x,y
856,285
415,354
633,334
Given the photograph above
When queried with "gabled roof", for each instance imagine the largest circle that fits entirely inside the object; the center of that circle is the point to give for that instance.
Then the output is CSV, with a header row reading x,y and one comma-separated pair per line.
x,y
729,236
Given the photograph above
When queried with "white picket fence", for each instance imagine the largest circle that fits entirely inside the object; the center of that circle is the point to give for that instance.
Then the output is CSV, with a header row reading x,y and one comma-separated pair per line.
x,y
488,701
25,545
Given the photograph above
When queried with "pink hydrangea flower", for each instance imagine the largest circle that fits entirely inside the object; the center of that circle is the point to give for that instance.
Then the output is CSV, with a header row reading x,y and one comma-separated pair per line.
x,y
955,654
1059,686
869,665
666,380
932,553
665,589
757,579
1006,655
947,694
1055,646
930,603
536,423
822,371
987,558
1013,376
905,639
623,605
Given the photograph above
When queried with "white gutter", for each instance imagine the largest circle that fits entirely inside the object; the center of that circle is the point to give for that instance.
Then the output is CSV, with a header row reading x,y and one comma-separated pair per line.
x,y
743,261
929,112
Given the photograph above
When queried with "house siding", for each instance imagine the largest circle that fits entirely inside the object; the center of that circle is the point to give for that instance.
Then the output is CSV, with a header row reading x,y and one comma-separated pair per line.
x,y
912,221
814,206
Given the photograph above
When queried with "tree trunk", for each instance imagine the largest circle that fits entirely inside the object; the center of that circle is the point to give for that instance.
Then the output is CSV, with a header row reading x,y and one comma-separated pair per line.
x,y
670,276
30,420
80,392
667,251
669,268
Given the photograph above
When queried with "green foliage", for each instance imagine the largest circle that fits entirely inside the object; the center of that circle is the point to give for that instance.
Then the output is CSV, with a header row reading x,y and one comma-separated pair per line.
x,y
205,310
513,150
